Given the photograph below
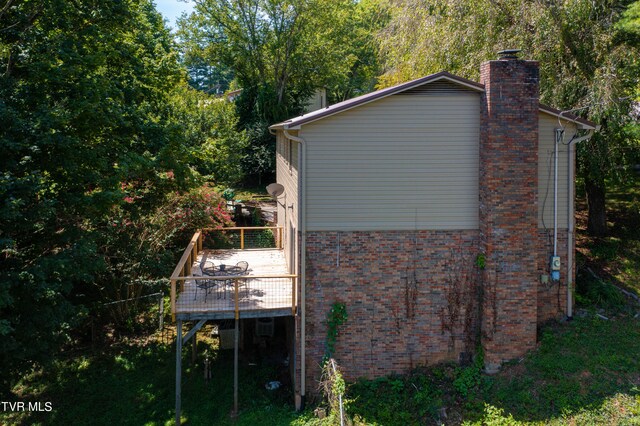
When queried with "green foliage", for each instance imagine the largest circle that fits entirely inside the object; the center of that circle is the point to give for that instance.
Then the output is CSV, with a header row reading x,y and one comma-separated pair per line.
x,y
470,378
132,384
334,388
584,372
229,194
411,399
280,52
335,318
494,416
208,129
174,223
591,292
481,261
94,136
587,62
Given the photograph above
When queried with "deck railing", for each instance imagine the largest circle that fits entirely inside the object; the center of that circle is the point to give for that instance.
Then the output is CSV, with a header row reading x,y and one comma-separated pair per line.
x,y
245,237
191,292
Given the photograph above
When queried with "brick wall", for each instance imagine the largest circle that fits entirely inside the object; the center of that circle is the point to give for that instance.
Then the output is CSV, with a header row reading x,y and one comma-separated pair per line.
x,y
508,207
372,273
552,296
397,287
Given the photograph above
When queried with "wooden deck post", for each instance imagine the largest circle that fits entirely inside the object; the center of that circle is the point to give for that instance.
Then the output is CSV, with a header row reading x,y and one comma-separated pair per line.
x,y
293,295
173,300
194,351
236,338
161,314
242,239
235,367
178,370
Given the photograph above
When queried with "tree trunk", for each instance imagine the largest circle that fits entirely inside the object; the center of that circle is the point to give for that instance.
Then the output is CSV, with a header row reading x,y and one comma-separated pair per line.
x,y
597,219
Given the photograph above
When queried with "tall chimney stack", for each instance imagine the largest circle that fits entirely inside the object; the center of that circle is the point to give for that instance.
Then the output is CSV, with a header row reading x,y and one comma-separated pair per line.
x,y
508,205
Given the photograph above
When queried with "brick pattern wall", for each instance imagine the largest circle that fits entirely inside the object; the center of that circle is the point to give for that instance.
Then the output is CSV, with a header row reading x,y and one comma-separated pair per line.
x,y
397,287
371,271
552,296
508,207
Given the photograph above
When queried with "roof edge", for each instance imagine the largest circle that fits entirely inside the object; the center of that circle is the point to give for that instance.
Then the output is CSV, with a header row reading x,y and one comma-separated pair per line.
x,y
373,96
562,115
296,122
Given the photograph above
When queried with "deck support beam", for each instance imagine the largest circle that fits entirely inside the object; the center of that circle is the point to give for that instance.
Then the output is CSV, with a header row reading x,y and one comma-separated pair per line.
x,y
235,367
178,369
180,341
193,331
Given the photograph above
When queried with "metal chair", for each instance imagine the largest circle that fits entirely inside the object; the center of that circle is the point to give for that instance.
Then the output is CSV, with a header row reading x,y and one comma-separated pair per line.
x,y
205,285
242,267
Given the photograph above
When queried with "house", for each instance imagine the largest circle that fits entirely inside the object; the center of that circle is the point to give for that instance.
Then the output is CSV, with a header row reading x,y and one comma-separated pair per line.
x,y
439,211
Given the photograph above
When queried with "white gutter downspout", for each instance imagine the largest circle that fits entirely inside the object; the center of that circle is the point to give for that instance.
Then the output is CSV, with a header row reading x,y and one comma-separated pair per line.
x,y
571,218
302,210
559,138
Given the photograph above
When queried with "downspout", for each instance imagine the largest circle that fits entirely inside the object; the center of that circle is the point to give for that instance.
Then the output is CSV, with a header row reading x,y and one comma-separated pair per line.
x,y
559,138
302,210
571,218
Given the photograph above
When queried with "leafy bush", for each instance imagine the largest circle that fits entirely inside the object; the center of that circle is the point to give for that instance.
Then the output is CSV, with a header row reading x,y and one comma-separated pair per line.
x,y
176,221
470,378
140,251
593,292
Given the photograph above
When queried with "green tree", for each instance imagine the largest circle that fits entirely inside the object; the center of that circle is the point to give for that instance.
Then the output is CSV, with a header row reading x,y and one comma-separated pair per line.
x,y
209,128
86,131
584,63
280,52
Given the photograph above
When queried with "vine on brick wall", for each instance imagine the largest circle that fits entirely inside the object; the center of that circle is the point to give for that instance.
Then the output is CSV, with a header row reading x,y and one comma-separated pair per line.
x,y
411,283
462,308
410,294
335,318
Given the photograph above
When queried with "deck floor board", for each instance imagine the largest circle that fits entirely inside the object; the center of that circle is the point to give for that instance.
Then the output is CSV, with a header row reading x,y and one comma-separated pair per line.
x,y
259,294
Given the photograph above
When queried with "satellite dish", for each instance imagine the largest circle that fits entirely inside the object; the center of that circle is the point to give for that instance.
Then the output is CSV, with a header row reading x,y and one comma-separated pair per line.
x,y
275,190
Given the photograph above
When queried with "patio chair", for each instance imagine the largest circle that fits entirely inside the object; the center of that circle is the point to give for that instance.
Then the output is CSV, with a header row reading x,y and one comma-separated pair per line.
x,y
205,285
242,267
204,262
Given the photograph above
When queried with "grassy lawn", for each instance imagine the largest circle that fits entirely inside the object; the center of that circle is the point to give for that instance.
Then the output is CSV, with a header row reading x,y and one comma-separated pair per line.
x,y
586,372
133,383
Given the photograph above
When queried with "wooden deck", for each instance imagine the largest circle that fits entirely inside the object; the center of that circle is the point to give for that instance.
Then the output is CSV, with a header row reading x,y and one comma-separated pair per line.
x,y
267,295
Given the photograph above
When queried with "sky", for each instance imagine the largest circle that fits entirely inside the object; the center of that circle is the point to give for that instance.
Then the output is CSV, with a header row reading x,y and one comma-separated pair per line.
x,y
172,9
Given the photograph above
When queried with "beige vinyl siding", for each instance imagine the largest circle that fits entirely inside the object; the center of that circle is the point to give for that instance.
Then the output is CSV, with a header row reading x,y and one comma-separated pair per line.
x,y
287,176
401,163
546,141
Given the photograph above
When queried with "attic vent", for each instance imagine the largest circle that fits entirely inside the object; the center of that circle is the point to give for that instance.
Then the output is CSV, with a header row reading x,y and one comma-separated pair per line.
x,y
436,88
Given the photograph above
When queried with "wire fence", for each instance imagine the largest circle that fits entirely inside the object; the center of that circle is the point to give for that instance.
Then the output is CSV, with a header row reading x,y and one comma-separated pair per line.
x,y
219,272
243,238
231,294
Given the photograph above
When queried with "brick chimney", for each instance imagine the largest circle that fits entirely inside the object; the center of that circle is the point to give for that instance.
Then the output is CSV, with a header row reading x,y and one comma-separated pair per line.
x,y
508,206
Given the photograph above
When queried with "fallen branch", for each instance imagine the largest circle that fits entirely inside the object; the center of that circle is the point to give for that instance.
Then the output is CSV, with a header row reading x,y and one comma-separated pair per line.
x,y
625,292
